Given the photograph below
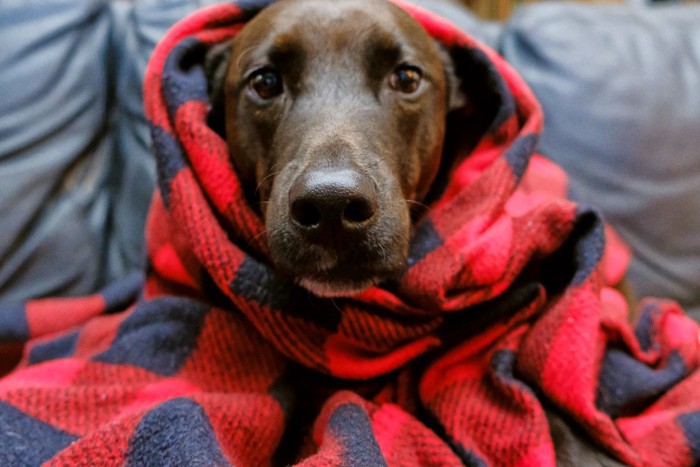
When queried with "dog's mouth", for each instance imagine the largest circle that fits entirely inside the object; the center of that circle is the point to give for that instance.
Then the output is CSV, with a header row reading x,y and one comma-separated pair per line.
x,y
332,289
336,273
340,268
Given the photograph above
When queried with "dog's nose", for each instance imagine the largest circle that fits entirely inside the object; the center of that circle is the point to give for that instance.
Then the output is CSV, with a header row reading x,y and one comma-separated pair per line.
x,y
330,204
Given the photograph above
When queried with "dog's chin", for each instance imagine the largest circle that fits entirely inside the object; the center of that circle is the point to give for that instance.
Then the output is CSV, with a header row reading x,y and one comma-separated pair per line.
x,y
337,289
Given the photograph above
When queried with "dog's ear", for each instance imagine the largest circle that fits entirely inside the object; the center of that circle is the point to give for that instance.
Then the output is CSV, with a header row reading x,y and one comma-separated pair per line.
x,y
456,98
215,68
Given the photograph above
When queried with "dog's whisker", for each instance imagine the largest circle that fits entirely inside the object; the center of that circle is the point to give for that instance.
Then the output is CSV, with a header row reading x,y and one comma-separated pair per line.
x,y
271,174
243,54
383,252
417,203
252,240
335,304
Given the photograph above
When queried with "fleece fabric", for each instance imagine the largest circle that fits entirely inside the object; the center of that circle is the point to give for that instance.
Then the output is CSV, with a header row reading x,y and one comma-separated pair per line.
x,y
504,314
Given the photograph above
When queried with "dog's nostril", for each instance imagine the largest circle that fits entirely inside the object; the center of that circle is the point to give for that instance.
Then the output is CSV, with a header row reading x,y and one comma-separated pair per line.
x,y
305,213
358,211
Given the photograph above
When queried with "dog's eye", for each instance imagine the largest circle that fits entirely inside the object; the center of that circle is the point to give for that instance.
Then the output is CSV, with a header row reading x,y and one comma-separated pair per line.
x,y
266,83
406,79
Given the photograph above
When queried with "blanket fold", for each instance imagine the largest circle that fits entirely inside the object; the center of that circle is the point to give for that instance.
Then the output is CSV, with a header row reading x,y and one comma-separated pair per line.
x,y
505,317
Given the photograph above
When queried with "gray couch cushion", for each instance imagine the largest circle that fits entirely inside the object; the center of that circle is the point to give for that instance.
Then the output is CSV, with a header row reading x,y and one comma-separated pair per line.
x,y
54,146
620,89
75,169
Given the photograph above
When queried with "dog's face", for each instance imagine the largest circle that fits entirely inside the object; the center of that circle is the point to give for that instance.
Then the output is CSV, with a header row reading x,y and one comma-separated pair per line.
x,y
335,117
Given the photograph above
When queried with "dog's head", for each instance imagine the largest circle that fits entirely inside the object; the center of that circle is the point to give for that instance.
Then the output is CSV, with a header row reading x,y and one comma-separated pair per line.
x,y
334,113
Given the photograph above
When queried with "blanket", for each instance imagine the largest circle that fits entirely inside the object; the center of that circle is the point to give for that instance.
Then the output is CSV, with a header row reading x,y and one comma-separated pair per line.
x,y
505,315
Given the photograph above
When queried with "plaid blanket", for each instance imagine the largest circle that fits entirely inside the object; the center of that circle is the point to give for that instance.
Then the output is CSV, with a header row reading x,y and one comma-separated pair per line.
x,y
504,314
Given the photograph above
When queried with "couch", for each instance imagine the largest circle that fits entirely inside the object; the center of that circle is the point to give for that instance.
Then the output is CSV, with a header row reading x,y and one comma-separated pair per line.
x,y
618,83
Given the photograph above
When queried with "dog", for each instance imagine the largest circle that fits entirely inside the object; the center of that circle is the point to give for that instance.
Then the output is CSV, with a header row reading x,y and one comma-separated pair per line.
x,y
335,116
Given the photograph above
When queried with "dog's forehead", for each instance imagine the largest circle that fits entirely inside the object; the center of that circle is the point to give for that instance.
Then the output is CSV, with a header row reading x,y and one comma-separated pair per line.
x,y
294,27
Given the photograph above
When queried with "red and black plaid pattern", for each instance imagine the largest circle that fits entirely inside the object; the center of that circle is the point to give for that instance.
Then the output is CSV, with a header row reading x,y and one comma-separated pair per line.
x,y
505,308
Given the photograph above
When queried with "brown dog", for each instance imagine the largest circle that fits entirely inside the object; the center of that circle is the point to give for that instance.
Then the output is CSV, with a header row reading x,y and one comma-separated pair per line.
x,y
335,114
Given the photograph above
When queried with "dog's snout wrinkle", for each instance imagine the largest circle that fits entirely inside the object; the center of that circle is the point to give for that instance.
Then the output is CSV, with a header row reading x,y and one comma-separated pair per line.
x,y
332,204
